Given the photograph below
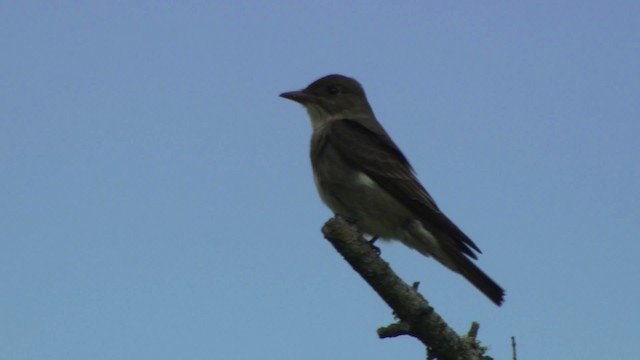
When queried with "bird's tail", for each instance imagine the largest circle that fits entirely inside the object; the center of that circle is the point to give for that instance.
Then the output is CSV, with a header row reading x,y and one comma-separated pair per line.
x,y
452,257
479,279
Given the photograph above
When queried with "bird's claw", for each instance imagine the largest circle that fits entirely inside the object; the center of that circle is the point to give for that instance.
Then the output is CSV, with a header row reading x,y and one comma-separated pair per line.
x,y
372,242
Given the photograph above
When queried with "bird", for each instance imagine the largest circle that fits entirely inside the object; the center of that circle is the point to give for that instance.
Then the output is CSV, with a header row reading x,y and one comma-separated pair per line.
x,y
363,176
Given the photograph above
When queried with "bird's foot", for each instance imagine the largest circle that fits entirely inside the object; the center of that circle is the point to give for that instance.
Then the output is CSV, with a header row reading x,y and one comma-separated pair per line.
x,y
372,242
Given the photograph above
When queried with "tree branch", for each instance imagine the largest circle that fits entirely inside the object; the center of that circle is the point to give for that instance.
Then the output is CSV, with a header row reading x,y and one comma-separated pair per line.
x,y
417,318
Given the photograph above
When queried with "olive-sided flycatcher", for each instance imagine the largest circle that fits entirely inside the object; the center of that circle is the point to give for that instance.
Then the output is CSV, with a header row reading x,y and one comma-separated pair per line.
x,y
363,176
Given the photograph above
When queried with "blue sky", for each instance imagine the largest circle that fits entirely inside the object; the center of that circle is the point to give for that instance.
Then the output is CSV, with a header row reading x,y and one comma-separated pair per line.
x,y
157,198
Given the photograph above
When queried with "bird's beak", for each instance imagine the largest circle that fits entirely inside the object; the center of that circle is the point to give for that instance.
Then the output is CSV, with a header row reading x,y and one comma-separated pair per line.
x,y
299,96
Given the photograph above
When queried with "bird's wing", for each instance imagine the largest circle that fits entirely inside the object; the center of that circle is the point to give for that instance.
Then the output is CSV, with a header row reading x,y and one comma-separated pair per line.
x,y
376,155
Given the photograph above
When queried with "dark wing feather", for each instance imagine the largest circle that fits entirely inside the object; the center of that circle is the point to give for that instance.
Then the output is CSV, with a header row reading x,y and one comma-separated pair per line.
x,y
376,155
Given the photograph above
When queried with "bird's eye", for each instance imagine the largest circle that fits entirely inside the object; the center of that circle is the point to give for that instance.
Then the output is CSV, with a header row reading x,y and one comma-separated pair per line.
x,y
333,90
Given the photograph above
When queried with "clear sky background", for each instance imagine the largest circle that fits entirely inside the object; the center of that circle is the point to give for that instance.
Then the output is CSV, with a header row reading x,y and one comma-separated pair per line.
x,y
156,198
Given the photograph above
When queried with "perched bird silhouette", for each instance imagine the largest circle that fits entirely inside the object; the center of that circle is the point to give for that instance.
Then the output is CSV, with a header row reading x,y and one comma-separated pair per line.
x,y
363,176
